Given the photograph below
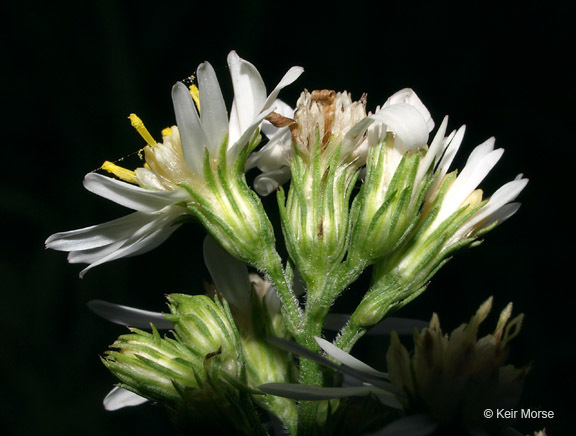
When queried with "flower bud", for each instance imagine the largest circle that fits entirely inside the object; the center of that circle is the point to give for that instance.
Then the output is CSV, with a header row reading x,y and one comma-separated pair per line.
x,y
206,327
388,205
198,362
315,211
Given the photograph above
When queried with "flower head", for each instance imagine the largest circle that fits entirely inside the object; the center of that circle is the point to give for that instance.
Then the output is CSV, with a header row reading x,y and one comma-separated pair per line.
x,y
426,214
455,377
331,136
197,169
205,340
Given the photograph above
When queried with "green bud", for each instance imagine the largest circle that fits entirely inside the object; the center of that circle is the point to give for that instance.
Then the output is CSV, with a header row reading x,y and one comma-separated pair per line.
x,y
387,208
206,327
404,274
198,375
315,211
150,365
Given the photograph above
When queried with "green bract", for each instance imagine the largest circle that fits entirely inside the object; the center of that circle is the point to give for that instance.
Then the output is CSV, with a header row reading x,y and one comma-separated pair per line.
x,y
205,344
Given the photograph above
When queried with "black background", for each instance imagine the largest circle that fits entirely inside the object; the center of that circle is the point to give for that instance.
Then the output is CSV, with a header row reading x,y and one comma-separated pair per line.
x,y
72,72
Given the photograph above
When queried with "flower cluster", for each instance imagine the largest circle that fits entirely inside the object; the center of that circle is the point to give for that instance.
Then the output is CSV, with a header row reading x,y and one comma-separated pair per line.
x,y
355,189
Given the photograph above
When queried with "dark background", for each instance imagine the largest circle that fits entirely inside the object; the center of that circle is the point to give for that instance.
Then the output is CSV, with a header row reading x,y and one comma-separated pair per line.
x,y
72,72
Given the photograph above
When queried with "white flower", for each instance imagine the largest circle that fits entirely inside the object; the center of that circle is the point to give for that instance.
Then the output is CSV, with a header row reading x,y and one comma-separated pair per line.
x,y
273,159
454,210
403,114
441,212
156,191
408,191
461,192
211,128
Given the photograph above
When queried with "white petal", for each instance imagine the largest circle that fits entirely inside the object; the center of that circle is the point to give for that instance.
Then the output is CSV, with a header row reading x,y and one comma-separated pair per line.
x,y
249,94
192,135
213,108
450,147
131,196
129,316
350,141
468,180
407,123
408,96
93,254
242,141
118,398
299,350
273,155
346,358
289,78
503,213
268,182
480,151
144,240
433,152
280,108
229,274
493,210
98,235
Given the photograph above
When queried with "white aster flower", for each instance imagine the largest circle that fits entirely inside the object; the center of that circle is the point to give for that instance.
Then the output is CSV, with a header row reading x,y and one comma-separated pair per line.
x,y
181,173
455,213
342,121
446,213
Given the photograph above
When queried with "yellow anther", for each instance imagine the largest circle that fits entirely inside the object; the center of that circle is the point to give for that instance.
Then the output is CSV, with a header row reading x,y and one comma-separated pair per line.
x,y
141,129
167,131
195,93
122,173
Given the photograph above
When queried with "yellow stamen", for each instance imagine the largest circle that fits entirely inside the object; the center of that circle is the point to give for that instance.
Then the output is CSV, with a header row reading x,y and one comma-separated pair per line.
x,y
195,93
141,129
120,172
167,131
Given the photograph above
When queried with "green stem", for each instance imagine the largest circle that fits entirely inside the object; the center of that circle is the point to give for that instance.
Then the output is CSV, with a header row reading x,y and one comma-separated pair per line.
x,y
349,335
311,375
292,314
